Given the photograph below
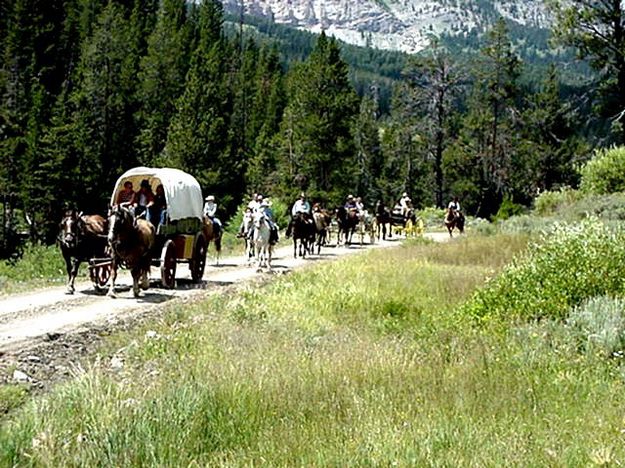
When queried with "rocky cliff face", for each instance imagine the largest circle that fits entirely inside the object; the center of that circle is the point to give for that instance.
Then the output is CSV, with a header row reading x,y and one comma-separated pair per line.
x,y
393,24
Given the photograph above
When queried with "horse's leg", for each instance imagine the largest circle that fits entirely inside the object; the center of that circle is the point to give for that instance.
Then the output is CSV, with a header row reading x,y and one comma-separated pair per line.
x,y
70,279
75,266
111,292
294,246
136,274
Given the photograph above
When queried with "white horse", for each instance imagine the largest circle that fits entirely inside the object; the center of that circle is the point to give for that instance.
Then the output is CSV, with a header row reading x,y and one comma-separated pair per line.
x,y
246,228
260,240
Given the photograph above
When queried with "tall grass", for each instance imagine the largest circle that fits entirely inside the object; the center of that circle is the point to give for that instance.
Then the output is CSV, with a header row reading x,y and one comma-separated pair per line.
x,y
39,266
364,362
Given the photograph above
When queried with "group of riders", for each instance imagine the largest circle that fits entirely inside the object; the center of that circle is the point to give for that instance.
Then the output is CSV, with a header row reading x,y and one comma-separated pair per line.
x,y
153,206
304,210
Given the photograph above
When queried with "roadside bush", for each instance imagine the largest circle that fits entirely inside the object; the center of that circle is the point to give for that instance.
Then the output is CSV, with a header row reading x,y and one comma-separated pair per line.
x,y
432,216
606,207
568,266
508,209
550,202
605,172
598,324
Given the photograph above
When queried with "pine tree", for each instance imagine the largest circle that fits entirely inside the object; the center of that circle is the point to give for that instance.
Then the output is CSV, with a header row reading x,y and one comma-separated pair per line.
x,y
162,78
434,84
369,162
104,102
199,134
480,168
317,147
597,30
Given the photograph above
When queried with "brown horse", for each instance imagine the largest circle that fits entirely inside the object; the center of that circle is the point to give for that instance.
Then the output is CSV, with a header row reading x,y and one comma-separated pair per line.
x,y
454,219
212,233
132,242
322,219
81,237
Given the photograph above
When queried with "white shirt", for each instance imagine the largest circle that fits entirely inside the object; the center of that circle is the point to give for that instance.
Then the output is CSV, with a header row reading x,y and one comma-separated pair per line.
x,y
300,206
210,208
454,205
403,201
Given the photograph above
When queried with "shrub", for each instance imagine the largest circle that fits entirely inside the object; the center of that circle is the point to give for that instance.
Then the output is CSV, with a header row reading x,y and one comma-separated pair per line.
x,y
432,216
605,172
599,324
569,265
507,209
550,202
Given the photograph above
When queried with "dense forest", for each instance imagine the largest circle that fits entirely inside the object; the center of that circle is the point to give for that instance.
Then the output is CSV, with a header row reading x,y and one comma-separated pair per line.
x,y
91,88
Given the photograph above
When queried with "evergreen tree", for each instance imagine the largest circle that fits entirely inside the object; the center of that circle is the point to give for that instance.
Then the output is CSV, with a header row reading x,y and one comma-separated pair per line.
x,y
199,134
485,151
317,148
597,30
434,84
104,102
369,164
162,78
264,123
549,139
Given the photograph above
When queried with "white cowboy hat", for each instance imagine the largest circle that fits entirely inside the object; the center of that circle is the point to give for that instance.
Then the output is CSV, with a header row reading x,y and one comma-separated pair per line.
x,y
210,198
404,194
349,197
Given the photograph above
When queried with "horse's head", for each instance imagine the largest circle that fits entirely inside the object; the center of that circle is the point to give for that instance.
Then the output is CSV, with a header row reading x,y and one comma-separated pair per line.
x,y
69,229
120,218
259,218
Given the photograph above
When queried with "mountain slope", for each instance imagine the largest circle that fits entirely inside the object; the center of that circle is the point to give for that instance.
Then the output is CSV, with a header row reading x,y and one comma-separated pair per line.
x,y
394,24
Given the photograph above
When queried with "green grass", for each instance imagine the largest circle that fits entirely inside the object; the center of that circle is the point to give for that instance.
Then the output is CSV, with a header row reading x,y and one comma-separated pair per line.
x,y
362,362
40,266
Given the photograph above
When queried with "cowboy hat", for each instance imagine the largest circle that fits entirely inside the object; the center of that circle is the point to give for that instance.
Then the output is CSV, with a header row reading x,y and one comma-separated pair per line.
x,y
210,198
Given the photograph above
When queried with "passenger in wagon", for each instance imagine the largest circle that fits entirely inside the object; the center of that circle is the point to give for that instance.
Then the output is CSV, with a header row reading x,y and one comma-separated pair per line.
x,y
157,210
126,195
143,198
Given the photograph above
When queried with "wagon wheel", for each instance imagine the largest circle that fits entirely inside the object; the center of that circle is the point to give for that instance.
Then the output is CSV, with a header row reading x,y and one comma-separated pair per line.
x,y
168,265
101,275
198,262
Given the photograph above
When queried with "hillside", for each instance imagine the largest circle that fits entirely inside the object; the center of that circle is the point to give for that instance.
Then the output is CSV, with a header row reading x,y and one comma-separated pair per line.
x,y
394,24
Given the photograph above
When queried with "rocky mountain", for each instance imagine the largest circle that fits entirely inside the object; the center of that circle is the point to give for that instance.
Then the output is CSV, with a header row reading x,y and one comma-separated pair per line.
x,y
394,24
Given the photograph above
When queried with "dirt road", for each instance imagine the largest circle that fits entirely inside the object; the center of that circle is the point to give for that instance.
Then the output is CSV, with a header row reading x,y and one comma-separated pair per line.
x,y
37,329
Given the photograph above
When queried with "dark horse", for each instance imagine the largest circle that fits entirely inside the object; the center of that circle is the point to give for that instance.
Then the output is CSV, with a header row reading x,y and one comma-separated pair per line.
x,y
383,219
81,237
131,243
347,220
304,232
454,219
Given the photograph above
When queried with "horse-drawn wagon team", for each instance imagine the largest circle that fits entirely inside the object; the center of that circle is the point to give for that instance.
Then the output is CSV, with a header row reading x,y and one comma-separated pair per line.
x,y
167,221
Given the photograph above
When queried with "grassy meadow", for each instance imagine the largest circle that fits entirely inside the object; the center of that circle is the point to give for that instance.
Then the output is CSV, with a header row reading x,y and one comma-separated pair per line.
x,y
367,361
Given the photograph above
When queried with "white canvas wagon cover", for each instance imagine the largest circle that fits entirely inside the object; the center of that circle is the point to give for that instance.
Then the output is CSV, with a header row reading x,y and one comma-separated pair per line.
x,y
182,191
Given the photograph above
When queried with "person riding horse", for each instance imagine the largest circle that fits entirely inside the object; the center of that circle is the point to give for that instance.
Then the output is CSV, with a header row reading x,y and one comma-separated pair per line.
x,y
265,207
454,218
300,207
454,205
210,209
